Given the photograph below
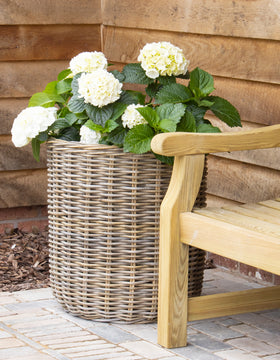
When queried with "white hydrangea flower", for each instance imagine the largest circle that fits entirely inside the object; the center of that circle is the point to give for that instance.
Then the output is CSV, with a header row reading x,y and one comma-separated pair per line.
x,y
131,117
99,88
30,122
89,136
88,62
163,58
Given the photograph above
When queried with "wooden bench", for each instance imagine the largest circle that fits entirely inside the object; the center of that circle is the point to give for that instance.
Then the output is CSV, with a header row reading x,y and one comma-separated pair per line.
x,y
246,233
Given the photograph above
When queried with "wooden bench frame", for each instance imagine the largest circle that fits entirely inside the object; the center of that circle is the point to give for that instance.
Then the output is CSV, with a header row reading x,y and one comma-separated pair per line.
x,y
177,232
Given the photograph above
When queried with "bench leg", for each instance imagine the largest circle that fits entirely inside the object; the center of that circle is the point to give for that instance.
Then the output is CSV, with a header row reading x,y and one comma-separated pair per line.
x,y
173,262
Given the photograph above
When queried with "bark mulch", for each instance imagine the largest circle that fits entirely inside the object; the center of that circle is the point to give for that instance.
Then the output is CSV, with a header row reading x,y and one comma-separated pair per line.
x,y
24,261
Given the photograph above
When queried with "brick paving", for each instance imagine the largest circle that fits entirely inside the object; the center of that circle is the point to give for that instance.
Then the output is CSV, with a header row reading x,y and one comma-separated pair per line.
x,y
33,326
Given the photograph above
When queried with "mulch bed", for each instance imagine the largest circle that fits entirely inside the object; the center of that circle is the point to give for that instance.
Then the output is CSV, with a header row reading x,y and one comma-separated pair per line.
x,y
24,260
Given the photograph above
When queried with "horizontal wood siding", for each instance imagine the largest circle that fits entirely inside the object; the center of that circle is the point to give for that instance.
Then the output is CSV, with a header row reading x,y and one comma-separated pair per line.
x,y
38,38
238,43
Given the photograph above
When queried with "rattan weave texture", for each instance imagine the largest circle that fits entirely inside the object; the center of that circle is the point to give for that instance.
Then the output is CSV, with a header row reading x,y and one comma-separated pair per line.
x,y
103,231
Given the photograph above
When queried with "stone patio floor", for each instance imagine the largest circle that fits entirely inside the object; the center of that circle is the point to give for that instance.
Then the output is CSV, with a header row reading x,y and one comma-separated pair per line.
x,y
33,326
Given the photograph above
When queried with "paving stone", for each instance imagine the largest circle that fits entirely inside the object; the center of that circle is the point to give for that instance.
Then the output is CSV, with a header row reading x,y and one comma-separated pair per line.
x,y
112,333
66,336
27,306
192,352
228,321
143,348
12,353
53,321
31,316
4,334
218,331
77,345
105,352
10,343
38,356
51,330
258,334
116,356
271,314
92,347
8,298
56,355
68,340
207,342
260,321
143,331
253,346
236,354
272,357
5,312
173,358
33,295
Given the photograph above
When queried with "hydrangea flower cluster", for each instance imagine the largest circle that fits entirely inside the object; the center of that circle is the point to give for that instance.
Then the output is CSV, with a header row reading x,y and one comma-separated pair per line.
x,y
99,88
163,59
87,103
131,117
88,62
89,136
30,122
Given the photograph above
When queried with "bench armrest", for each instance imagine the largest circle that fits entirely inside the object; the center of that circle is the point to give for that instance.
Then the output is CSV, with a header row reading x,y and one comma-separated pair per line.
x,y
181,143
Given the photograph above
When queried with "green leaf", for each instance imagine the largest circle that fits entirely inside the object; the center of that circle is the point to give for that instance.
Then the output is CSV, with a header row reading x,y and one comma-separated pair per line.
x,y
171,111
134,73
167,125
71,118
64,86
197,112
118,75
186,76
225,111
205,103
166,80
43,136
138,139
70,134
99,115
63,74
51,88
117,136
75,84
110,125
150,115
152,89
188,123
118,110
91,125
36,148
59,124
174,93
76,105
201,82
45,100
127,98
207,128
138,96
169,160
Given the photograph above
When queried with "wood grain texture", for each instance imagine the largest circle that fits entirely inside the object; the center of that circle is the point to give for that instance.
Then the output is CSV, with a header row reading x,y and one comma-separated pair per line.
x,y
173,255
181,143
49,42
23,188
241,182
237,58
9,109
236,302
250,19
12,158
16,77
236,242
50,12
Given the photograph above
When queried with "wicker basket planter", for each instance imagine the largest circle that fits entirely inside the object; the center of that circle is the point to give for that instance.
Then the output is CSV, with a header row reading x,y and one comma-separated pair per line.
x,y
103,231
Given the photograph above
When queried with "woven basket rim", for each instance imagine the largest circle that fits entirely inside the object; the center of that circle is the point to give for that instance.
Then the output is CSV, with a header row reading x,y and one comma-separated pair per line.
x,y
79,144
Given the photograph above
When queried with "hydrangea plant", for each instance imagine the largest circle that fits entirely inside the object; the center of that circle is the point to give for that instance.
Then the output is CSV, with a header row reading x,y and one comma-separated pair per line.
x,y
88,102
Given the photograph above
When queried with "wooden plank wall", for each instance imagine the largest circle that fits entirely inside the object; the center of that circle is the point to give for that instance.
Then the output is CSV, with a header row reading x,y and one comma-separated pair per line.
x,y
238,43
37,40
